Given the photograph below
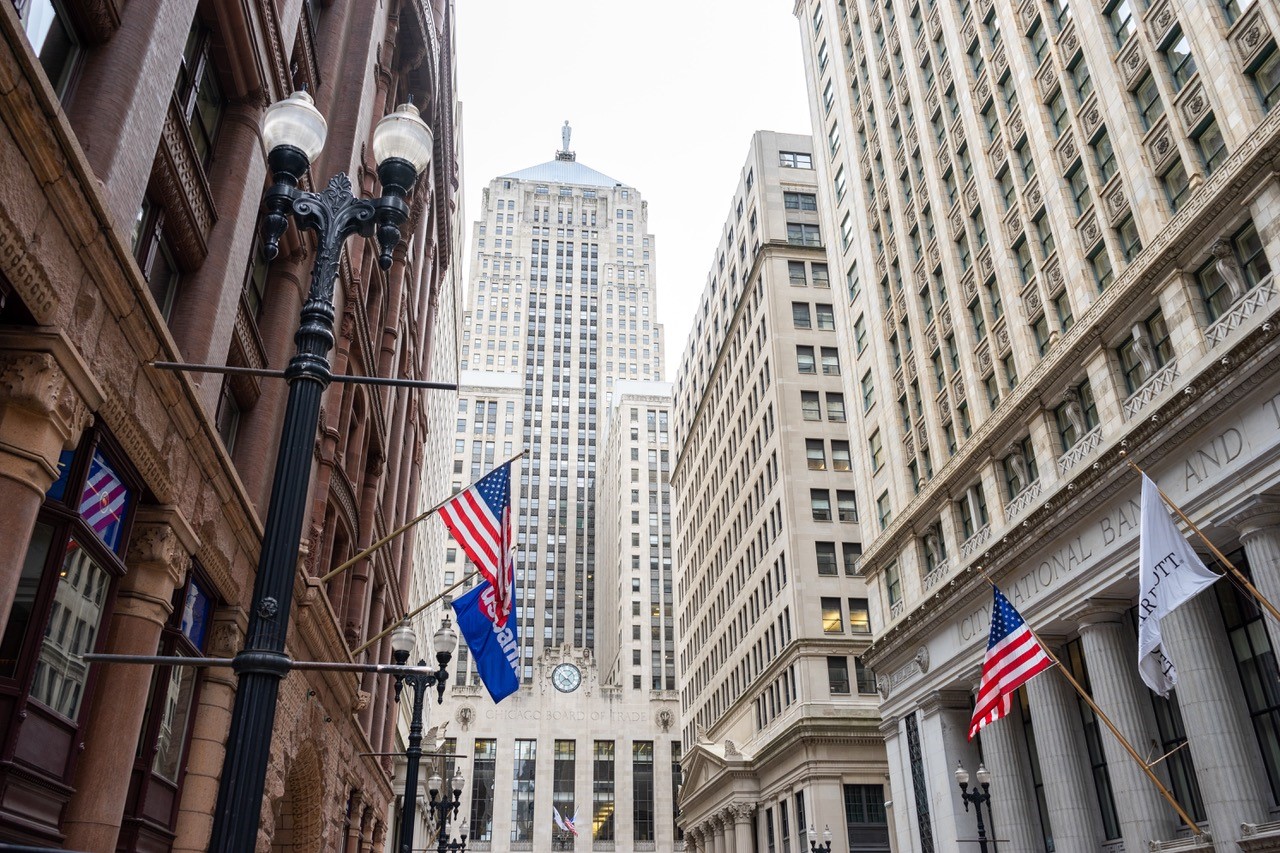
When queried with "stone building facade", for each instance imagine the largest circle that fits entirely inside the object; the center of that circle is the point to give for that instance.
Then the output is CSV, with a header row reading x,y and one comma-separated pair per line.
x,y
1057,229
558,340
780,724
132,174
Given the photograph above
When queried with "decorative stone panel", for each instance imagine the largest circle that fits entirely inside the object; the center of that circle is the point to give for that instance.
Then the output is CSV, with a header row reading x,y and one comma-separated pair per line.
x,y
865,164
971,196
178,178
1160,18
1012,225
1001,332
1068,41
1250,35
901,302
1117,202
956,221
913,139
1033,195
997,155
1090,230
1160,145
944,160
944,319
882,266
1015,126
935,23
1054,282
1067,150
999,61
1193,104
882,64
986,266
931,338
932,101
984,6
1047,79
981,90
919,276
968,31
957,388
1028,13
1031,300
1090,116
911,368
899,385
969,285
900,161
921,46
883,193
944,75
934,253
1131,62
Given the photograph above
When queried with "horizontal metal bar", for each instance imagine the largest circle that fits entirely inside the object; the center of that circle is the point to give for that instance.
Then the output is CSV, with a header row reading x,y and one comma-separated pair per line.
x,y
279,374
321,665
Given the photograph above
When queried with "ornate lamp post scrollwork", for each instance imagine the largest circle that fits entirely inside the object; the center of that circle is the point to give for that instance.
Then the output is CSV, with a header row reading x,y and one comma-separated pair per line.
x,y
978,798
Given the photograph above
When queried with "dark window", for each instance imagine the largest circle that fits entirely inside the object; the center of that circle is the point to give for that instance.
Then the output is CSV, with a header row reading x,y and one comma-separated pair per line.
x,y
1146,350
1073,659
602,790
198,93
1266,77
482,789
865,818
154,254
642,789
1247,260
826,551
838,674
1150,104
54,40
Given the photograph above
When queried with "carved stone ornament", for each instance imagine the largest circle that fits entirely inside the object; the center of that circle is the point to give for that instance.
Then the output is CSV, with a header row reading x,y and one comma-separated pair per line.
x,y
731,749
1117,202
1067,150
1032,194
1031,301
1047,79
1160,19
466,716
36,382
1015,125
1194,106
665,719
922,660
1090,231
157,545
225,641
1226,265
361,701
1002,339
984,356
1069,41
742,812
1251,34
1131,62
1161,146
1053,274
1072,409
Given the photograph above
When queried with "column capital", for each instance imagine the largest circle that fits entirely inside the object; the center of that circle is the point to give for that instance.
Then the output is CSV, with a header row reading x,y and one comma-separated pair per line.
x,y
1257,514
161,544
742,812
945,700
889,727
42,413
1101,611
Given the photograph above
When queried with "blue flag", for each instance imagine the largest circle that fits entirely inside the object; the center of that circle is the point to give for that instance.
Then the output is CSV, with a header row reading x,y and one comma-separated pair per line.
x,y
496,649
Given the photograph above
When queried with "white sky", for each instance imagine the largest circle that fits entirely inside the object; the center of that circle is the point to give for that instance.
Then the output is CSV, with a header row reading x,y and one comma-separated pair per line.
x,y
662,95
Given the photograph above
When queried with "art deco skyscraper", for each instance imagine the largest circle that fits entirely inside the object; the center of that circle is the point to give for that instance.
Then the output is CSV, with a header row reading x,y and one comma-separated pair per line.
x,y
560,336
1057,224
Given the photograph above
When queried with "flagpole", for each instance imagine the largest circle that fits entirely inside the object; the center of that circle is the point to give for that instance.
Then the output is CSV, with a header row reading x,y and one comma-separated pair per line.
x,y
1124,742
401,529
1236,574
384,632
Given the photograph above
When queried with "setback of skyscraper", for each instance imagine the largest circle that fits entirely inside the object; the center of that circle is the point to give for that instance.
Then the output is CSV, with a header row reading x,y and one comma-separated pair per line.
x,y
562,360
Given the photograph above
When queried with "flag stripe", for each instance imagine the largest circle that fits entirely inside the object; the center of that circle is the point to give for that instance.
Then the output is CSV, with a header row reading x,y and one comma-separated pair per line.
x,y
479,519
1013,657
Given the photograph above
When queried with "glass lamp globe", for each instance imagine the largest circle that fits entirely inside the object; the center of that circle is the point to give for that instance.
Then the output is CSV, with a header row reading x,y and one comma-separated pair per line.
x,y
826,834
457,779
434,783
294,122
403,135
984,775
813,833
403,640
962,775
445,639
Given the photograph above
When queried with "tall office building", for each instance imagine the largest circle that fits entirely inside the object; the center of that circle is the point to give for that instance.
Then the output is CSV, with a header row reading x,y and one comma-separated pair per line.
x,y
1056,229
561,335
780,725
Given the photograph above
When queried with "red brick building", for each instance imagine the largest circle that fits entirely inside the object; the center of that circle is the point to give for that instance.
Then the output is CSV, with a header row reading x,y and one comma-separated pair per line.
x,y
130,179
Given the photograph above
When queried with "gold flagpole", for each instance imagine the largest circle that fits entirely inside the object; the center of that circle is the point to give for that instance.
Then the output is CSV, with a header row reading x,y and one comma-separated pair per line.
x,y
1236,574
375,638
1124,742
402,528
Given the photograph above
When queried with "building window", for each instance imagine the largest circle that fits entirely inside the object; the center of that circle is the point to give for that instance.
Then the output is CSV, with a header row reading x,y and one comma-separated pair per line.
x,y
602,789
1266,77
1145,351
859,616
819,274
800,315
805,360
826,555
526,754
826,317
1058,115
1078,180
563,785
642,789
851,553
1019,467
1076,416
840,459
811,405
800,201
53,39
865,817
198,93
1211,144
1104,155
838,675
1238,265
1100,265
1147,97
816,454
227,417
795,160
846,505
860,333
155,257
483,765
64,598
830,361
868,392
1177,186
1120,17
1178,58
876,446
1130,240
820,507
884,513
835,407
832,618
795,273
1073,658
866,687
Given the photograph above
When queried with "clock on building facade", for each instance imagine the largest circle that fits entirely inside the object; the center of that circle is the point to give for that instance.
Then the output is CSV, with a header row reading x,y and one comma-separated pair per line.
x,y
566,677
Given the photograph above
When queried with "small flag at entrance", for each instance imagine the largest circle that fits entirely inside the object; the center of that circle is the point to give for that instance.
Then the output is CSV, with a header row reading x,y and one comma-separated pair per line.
x,y
1014,657
479,517
1170,574
566,824
495,647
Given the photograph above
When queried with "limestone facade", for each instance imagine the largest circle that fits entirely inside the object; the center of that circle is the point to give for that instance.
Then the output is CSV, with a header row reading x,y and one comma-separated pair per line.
x,y
1058,224
135,496
780,723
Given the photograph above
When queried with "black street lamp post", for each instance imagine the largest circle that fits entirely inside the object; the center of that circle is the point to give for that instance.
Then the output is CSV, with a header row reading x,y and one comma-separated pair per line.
x,y
293,133
403,641
813,840
978,798
444,809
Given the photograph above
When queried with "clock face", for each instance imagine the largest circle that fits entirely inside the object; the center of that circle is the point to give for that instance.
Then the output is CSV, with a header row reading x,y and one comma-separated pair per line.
x,y
566,677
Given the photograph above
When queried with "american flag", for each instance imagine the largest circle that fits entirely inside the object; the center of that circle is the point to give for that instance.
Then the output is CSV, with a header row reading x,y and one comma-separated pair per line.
x,y
479,517
1014,657
103,501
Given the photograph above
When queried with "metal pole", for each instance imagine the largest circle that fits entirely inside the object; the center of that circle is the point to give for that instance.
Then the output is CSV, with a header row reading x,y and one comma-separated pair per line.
x,y
261,664
982,830
414,756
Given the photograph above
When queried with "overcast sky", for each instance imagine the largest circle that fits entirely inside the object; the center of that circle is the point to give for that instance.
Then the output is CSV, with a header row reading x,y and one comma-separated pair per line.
x,y
662,95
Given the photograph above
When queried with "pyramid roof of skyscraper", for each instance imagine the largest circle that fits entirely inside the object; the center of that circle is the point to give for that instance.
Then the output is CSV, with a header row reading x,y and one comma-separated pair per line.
x,y
564,171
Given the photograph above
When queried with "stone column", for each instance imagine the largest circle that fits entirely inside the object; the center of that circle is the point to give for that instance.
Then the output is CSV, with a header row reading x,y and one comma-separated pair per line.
x,y
1110,654
41,414
1071,800
741,815
1012,796
1223,747
944,740
159,555
900,829
1258,524
730,829
209,734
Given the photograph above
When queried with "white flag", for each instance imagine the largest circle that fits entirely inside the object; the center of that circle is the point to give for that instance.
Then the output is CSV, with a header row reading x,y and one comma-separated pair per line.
x,y
559,820
1170,574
